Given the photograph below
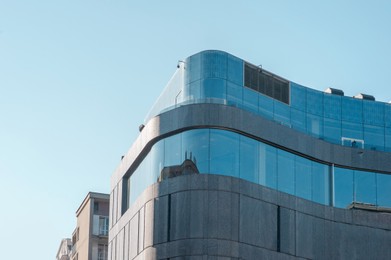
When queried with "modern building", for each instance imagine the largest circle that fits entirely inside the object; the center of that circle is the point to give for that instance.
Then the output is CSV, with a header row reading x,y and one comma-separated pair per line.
x,y
64,251
235,162
90,237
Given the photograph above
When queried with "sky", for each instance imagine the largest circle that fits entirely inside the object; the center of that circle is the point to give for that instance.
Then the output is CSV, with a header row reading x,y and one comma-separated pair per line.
x,y
77,78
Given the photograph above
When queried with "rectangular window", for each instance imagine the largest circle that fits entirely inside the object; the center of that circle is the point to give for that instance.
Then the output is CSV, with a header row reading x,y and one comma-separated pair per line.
x,y
103,226
102,252
266,83
96,207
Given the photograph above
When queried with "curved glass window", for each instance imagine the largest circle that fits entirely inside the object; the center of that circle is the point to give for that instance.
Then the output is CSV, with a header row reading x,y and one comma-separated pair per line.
x,y
213,151
218,77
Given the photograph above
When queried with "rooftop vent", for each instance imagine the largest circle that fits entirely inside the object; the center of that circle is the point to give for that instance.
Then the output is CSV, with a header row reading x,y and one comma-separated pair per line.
x,y
334,91
364,96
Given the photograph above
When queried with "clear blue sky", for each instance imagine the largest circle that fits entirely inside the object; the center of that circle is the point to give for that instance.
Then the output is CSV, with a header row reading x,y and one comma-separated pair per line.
x,y
78,77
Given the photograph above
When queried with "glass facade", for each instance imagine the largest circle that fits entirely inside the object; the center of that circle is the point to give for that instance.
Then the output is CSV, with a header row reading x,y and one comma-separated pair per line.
x,y
218,77
227,153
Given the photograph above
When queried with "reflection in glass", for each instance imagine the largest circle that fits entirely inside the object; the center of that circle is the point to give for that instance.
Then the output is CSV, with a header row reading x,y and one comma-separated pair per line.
x,y
172,150
231,154
195,146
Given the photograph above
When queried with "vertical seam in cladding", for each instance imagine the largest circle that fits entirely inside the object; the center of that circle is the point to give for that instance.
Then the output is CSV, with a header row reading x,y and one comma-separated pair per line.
x,y
278,229
169,219
331,185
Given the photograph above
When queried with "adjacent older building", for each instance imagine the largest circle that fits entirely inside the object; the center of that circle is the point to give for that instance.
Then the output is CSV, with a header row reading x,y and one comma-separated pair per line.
x,y
234,161
64,251
89,239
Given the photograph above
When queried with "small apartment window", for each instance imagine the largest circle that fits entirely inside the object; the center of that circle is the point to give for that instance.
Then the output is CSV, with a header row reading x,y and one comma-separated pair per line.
x,y
75,236
102,252
96,207
103,226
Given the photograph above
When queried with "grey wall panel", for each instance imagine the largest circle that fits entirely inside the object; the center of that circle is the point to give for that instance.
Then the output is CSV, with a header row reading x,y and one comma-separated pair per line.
x,y
161,221
258,223
149,226
141,228
179,216
287,230
198,213
134,228
214,216
126,242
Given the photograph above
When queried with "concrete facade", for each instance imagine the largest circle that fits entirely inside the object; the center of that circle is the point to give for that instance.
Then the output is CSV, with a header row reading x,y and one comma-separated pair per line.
x,y
90,236
219,217
64,251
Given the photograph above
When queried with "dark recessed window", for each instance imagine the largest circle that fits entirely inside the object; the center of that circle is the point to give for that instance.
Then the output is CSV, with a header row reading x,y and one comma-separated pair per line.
x,y
96,207
266,83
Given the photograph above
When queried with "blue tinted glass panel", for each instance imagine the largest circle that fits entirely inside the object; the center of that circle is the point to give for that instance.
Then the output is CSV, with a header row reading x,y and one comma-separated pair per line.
x,y
343,187
373,113
140,179
214,64
235,70
267,166
282,113
193,66
250,100
332,106
298,120
352,110
195,146
249,159
173,151
214,88
320,183
364,187
384,190
266,106
314,102
234,94
298,97
387,114
193,90
157,159
224,153
314,125
388,139
352,130
303,177
374,137
332,130
285,172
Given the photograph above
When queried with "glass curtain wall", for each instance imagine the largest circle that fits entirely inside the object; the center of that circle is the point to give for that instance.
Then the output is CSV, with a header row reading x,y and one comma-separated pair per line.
x,y
213,151
218,77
